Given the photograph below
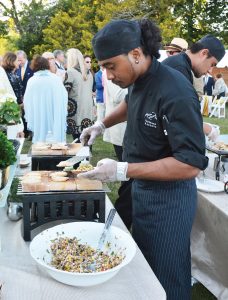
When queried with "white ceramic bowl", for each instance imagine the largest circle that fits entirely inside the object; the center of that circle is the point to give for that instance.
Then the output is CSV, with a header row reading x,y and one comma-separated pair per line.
x,y
87,232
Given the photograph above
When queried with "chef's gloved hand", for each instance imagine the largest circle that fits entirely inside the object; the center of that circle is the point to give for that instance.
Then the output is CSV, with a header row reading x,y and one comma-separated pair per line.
x,y
89,134
107,170
215,132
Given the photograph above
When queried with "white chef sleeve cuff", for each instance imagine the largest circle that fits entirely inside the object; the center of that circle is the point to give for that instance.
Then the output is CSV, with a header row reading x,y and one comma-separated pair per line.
x,y
122,171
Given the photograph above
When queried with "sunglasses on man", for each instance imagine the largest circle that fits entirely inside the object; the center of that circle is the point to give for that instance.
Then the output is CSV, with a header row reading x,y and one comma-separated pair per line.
x,y
170,52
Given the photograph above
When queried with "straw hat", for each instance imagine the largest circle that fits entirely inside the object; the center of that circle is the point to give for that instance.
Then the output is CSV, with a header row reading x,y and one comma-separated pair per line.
x,y
177,44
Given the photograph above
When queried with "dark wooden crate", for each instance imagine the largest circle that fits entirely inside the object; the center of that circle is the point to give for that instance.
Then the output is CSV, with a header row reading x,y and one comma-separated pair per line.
x,y
44,208
42,163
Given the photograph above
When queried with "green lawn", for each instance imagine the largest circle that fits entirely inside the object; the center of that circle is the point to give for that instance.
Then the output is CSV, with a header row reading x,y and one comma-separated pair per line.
x,y
102,150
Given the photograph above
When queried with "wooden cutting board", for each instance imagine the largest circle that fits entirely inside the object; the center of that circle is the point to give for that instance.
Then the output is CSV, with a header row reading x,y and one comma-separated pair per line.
x,y
83,184
72,150
72,184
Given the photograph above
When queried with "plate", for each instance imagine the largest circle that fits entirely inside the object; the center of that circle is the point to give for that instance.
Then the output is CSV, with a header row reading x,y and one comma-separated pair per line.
x,y
24,163
209,185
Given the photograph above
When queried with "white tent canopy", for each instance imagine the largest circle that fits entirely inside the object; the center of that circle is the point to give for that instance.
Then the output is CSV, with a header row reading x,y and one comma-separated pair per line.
x,y
224,61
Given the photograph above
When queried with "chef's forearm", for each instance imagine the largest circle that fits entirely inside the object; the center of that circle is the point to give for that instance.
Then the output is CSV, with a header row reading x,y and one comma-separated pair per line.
x,y
164,169
118,115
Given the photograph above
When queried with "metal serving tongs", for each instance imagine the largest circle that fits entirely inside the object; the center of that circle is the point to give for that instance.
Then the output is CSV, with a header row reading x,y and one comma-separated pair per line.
x,y
104,234
107,226
82,154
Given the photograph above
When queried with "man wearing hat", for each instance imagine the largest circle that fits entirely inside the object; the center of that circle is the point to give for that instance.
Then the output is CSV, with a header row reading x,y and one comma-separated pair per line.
x,y
198,61
176,46
163,150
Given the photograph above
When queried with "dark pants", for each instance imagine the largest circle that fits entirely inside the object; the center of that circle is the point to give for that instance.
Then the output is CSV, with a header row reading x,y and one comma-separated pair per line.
x,y
221,95
163,214
26,131
123,203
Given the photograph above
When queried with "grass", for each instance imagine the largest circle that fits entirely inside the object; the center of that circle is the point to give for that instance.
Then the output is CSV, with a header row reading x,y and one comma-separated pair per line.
x,y
105,150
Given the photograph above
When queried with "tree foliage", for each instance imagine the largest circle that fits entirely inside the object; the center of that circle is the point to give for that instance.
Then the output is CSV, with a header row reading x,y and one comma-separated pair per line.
x,y
200,17
72,23
72,29
30,19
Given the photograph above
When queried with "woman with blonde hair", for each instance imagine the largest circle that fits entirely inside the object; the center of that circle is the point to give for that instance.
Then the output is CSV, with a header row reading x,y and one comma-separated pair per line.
x,y
80,104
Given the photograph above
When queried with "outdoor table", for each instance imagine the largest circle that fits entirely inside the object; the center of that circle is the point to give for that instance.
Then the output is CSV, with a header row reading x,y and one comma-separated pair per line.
x,y
209,240
22,279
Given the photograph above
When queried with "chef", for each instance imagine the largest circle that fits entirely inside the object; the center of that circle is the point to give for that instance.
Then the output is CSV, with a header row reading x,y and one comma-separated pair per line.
x,y
163,147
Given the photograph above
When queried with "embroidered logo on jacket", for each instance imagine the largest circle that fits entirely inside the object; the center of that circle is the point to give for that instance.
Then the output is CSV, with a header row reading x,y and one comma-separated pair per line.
x,y
150,120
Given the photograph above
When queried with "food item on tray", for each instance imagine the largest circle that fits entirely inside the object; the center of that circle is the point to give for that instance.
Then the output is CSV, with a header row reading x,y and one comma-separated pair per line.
x,y
220,146
72,256
84,166
59,178
59,146
31,175
31,180
59,174
65,163
24,163
41,146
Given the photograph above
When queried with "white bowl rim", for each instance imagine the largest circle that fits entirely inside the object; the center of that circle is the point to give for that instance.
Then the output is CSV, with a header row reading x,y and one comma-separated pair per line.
x,y
116,268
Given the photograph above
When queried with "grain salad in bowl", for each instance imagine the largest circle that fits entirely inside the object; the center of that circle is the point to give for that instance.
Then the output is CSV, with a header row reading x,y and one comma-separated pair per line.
x,y
67,251
68,254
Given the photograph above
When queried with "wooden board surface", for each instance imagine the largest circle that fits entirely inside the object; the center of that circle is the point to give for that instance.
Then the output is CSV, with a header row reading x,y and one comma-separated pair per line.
x,y
72,150
72,184
83,184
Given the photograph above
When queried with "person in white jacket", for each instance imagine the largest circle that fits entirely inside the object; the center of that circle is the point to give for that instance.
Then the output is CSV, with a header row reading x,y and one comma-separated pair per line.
x,y
113,95
6,91
220,86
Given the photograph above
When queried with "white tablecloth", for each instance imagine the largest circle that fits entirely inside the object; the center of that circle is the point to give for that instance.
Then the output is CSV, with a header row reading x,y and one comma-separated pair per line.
x,y
23,280
209,240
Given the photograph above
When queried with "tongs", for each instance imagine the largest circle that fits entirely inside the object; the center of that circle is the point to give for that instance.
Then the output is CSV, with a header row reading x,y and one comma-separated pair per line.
x,y
108,223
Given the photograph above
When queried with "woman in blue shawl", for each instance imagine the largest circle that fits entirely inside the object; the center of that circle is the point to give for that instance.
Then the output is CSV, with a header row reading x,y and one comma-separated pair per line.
x,y
45,103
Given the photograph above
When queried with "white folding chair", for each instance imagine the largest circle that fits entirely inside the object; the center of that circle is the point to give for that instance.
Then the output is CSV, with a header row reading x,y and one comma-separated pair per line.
x,y
218,108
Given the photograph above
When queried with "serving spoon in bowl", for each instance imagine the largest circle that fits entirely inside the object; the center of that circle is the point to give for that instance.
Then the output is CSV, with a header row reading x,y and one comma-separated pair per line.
x,y
103,236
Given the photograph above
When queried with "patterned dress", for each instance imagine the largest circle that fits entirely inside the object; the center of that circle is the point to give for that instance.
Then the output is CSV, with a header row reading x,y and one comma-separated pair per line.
x,y
16,84
73,84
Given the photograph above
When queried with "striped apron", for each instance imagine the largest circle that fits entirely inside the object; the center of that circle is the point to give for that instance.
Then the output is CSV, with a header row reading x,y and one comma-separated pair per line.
x,y
163,213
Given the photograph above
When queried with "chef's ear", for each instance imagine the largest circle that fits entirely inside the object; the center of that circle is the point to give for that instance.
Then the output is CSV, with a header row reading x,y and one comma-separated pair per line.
x,y
136,53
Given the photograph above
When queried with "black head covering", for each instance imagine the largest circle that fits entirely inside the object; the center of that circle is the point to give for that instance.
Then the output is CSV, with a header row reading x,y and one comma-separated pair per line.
x,y
116,38
214,46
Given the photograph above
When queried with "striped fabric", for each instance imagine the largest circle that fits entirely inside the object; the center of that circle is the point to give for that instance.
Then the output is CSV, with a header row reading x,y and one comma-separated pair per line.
x,y
163,213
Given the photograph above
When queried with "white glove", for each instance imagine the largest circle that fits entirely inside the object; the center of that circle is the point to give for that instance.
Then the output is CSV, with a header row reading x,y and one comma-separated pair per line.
x,y
107,170
215,132
89,134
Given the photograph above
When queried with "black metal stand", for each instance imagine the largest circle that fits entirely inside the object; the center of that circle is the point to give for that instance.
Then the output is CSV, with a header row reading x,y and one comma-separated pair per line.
x,y
47,162
217,168
42,208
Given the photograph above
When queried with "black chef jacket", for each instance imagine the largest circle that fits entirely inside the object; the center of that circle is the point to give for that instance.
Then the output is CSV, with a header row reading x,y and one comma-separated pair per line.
x,y
181,63
164,119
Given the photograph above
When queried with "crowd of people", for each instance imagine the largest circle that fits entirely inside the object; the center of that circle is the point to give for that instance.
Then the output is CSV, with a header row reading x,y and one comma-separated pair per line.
x,y
55,91
86,91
